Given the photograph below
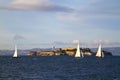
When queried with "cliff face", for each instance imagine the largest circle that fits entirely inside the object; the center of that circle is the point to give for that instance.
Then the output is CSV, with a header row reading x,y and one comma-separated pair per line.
x,y
88,53
45,53
32,53
70,53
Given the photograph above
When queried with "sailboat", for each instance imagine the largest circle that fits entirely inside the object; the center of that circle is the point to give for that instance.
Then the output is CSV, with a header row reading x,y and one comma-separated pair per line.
x,y
99,52
78,52
15,55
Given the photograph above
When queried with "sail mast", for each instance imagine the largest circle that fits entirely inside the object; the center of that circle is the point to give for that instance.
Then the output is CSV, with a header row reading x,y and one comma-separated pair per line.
x,y
15,53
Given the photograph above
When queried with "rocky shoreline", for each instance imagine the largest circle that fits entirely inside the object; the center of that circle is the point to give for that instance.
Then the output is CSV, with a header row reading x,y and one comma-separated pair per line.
x,y
65,51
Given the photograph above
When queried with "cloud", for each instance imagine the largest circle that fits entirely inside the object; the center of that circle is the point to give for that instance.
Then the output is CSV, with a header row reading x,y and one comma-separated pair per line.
x,y
75,41
69,17
37,5
18,37
105,42
94,10
101,41
100,7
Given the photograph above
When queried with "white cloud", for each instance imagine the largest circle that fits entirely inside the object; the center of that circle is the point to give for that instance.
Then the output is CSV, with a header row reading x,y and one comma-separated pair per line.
x,y
39,5
75,41
69,17
101,41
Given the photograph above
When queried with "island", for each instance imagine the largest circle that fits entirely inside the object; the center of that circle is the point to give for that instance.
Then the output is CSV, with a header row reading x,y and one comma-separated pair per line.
x,y
69,51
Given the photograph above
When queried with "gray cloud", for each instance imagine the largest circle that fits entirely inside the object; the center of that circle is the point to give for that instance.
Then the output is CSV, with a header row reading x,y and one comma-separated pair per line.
x,y
96,10
18,37
37,5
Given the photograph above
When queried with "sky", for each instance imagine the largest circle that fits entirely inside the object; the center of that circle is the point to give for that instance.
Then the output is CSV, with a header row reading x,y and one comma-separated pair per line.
x,y
42,23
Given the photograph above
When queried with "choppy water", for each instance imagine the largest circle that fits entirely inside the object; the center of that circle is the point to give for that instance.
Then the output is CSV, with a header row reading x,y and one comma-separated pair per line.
x,y
59,68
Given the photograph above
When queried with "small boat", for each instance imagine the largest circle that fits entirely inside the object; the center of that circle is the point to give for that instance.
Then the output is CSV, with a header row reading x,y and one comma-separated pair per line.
x,y
15,55
79,53
100,52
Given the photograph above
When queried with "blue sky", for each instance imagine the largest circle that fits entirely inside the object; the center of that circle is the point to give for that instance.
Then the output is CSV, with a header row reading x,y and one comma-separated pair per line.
x,y
37,23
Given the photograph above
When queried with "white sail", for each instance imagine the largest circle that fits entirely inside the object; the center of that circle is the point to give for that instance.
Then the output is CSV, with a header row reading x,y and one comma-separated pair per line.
x,y
82,54
15,53
99,52
78,52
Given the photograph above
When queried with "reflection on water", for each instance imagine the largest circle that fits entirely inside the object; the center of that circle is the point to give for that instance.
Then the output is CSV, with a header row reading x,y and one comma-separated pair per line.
x,y
59,68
